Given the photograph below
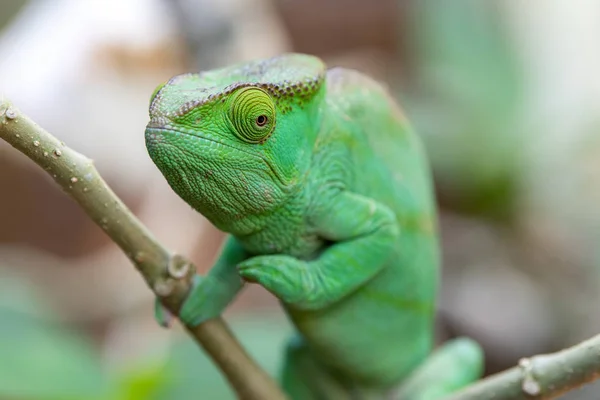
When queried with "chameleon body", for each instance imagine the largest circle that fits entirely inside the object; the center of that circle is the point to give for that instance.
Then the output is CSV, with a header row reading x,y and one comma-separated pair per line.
x,y
326,193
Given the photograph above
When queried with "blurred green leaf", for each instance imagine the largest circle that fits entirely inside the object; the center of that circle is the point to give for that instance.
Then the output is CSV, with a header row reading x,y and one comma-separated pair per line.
x,y
468,102
40,359
192,373
143,381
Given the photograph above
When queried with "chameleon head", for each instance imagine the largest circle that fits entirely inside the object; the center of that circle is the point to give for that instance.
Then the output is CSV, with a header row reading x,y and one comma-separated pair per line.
x,y
236,142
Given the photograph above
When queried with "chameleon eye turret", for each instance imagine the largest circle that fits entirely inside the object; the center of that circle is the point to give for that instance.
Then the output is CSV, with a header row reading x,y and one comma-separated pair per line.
x,y
252,114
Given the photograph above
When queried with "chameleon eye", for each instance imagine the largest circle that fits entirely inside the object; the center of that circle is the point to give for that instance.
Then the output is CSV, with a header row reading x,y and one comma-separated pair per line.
x,y
261,120
252,114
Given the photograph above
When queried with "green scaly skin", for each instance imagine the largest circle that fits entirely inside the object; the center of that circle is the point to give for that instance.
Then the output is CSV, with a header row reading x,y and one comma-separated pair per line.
x,y
326,194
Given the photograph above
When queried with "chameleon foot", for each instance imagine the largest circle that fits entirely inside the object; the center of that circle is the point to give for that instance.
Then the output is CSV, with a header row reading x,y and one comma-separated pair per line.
x,y
453,366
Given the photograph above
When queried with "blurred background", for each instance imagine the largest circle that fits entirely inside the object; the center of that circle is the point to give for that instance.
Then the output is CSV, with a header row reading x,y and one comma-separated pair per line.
x,y
505,94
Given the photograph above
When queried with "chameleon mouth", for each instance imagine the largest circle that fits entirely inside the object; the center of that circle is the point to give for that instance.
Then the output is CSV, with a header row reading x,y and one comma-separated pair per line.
x,y
156,136
160,137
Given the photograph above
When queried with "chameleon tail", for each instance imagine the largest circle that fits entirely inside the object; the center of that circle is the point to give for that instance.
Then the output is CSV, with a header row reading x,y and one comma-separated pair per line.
x,y
451,367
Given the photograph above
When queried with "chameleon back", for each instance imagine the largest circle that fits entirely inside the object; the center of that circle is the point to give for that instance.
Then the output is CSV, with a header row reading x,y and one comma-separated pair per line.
x,y
377,335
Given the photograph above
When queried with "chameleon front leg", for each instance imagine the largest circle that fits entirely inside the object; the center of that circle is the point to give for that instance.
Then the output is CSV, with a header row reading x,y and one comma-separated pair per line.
x,y
211,294
363,233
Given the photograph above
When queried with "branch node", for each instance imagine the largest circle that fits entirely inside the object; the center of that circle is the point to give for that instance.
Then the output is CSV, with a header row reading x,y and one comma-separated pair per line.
x,y
530,385
10,113
178,267
164,287
139,257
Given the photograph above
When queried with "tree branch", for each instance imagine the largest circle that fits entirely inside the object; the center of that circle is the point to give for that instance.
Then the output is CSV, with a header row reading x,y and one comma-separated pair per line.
x,y
540,377
168,275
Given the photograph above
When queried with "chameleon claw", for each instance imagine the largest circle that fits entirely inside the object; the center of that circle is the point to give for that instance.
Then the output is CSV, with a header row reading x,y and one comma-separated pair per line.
x,y
162,316
248,275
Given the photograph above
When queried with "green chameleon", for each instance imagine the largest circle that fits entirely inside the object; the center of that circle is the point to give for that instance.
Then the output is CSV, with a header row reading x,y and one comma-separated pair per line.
x,y
326,194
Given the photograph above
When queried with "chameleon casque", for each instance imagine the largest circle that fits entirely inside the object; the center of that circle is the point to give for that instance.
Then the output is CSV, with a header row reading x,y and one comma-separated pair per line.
x,y
326,194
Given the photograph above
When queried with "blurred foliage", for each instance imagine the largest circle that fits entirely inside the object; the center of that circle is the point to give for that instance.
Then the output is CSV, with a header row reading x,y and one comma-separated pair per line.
x,y
40,358
264,335
43,360
467,104
145,379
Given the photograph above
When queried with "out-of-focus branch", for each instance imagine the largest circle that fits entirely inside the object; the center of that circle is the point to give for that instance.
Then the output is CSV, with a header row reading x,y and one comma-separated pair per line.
x,y
540,377
168,275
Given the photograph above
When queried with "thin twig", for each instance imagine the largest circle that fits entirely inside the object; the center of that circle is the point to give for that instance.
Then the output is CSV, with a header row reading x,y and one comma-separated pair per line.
x,y
540,377
168,275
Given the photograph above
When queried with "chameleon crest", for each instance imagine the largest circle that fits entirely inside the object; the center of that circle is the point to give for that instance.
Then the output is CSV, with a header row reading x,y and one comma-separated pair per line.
x,y
290,78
